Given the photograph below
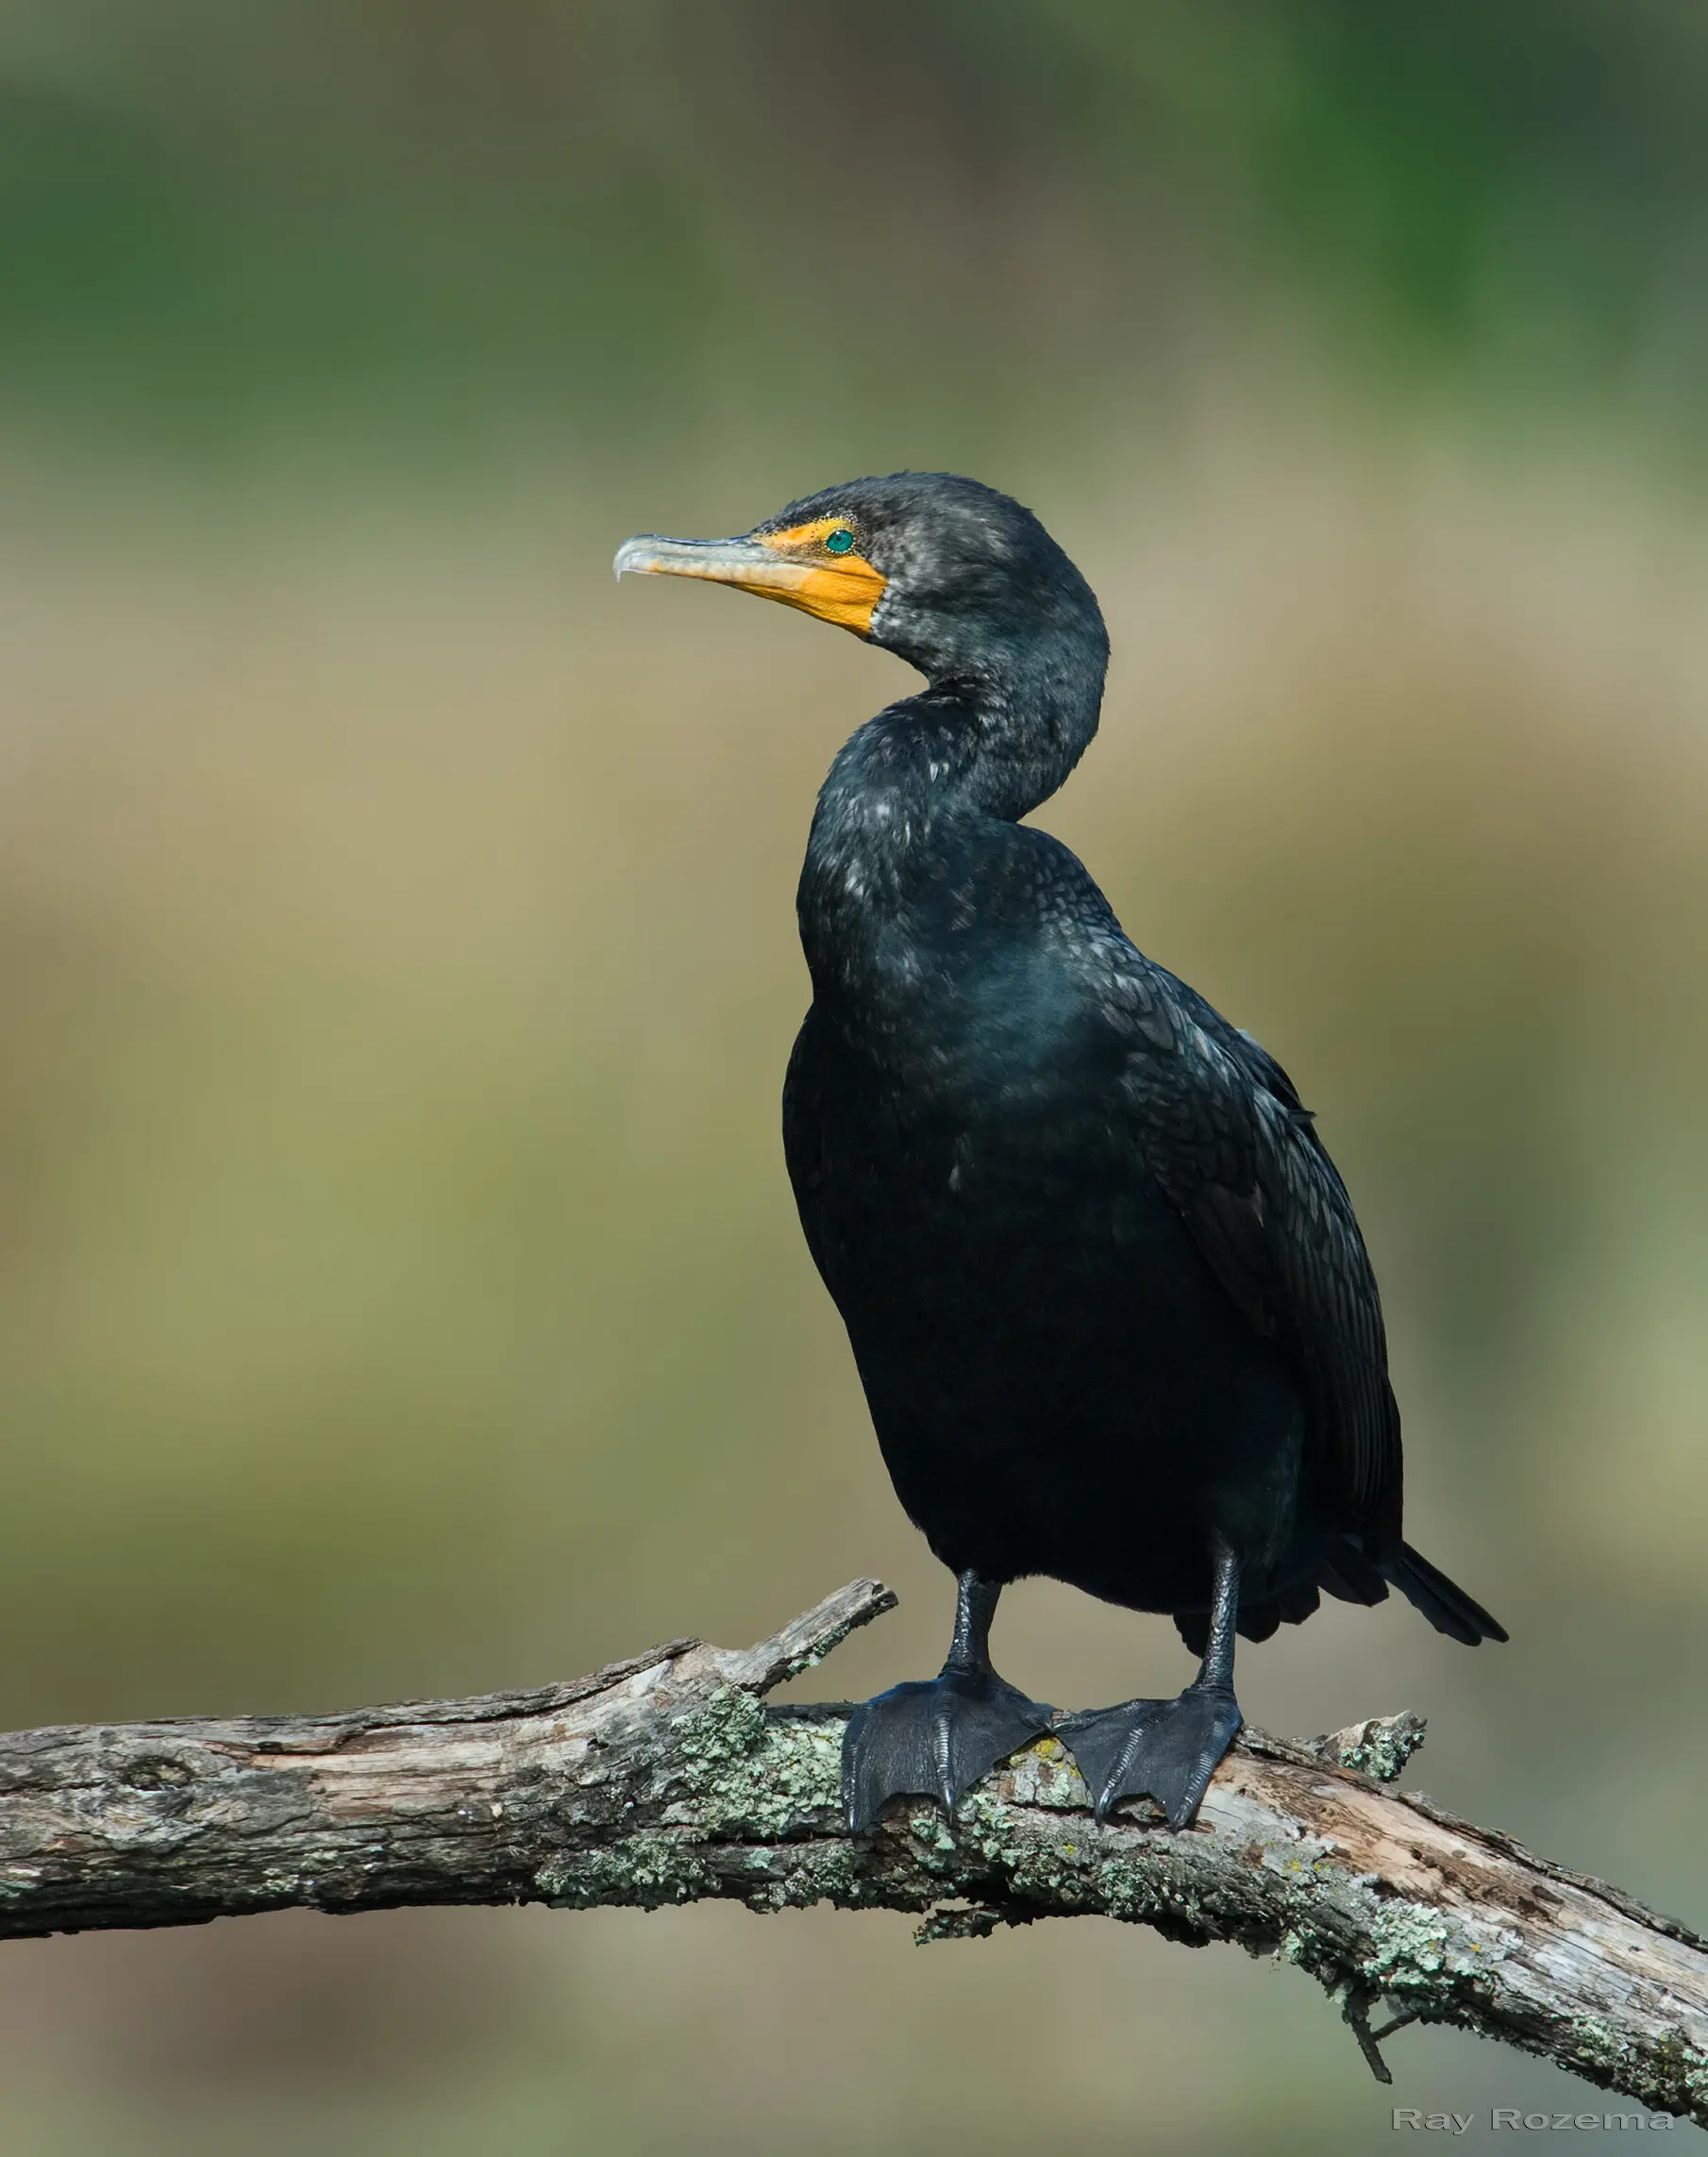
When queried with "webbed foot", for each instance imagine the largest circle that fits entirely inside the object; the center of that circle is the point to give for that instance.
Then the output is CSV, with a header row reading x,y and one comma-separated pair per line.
x,y
1166,1749
934,1738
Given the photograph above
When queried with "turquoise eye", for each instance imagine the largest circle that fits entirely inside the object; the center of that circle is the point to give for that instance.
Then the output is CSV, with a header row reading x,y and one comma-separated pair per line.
x,y
838,543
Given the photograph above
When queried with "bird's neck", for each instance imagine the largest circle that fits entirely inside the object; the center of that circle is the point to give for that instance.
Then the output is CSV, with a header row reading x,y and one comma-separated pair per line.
x,y
913,795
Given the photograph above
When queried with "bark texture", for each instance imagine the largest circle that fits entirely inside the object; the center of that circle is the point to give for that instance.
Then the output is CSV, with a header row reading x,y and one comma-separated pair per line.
x,y
665,1779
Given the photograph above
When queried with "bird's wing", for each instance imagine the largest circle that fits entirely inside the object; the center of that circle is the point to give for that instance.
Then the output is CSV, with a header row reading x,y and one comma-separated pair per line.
x,y
801,1118
1235,1149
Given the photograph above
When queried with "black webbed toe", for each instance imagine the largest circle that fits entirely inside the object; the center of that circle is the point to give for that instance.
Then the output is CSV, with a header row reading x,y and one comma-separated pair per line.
x,y
1166,1749
932,1739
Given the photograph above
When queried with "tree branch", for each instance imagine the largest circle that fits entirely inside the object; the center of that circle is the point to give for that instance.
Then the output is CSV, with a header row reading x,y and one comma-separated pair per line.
x,y
665,1780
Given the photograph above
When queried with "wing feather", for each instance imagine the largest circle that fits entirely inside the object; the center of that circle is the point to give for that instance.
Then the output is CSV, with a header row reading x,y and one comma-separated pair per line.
x,y
1235,1150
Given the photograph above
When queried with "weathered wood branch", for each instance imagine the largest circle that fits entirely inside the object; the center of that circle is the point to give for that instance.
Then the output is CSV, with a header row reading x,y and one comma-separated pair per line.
x,y
665,1779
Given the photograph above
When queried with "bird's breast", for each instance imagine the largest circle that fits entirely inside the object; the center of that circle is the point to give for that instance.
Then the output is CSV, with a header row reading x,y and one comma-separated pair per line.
x,y
978,1119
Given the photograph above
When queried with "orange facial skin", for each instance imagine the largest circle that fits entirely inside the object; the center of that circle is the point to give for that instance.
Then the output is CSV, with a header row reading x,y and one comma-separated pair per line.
x,y
839,588
795,566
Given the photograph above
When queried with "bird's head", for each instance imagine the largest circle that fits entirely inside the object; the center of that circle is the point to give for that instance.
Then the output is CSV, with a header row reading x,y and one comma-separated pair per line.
x,y
952,575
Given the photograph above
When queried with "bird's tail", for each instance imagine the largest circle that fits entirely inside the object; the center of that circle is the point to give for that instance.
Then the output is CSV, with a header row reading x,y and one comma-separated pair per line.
x,y
1446,1605
1355,1572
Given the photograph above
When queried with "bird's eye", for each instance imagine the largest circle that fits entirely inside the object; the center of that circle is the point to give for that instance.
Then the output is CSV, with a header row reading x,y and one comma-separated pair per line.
x,y
839,541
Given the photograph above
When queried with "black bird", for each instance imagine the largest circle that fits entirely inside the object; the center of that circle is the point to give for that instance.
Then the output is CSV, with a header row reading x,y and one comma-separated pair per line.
x,y
1109,1302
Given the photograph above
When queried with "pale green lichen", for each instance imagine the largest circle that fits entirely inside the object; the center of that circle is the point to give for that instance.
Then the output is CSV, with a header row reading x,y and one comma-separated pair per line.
x,y
757,1774
741,1777
1380,1747
958,1922
1683,2066
644,1870
1046,1775
1417,1948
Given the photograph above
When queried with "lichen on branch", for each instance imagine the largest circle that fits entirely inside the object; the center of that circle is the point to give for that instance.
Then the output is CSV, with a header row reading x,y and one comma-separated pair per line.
x,y
668,1780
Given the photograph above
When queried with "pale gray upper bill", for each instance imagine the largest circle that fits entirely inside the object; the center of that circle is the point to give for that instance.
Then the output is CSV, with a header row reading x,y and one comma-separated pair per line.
x,y
722,559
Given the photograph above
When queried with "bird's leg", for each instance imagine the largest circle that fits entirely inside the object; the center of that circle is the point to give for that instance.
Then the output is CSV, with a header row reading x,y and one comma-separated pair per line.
x,y
937,1737
1167,1749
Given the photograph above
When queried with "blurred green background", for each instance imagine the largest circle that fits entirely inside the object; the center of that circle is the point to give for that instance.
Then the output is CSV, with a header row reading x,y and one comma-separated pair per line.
x,y
402,1292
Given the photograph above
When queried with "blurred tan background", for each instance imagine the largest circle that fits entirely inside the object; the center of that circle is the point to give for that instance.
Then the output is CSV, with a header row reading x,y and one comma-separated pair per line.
x,y
401,1289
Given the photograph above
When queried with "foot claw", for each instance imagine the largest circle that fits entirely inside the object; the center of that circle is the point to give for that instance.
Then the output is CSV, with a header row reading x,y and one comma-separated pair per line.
x,y
1166,1749
932,1739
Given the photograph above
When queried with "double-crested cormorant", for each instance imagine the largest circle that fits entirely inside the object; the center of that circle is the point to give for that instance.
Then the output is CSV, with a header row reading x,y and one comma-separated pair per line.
x,y
1110,1307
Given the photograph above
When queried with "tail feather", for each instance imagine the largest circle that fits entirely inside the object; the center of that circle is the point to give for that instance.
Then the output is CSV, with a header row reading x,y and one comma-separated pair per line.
x,y
1350,1575
1446,1605
1256,1621
1358,1574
